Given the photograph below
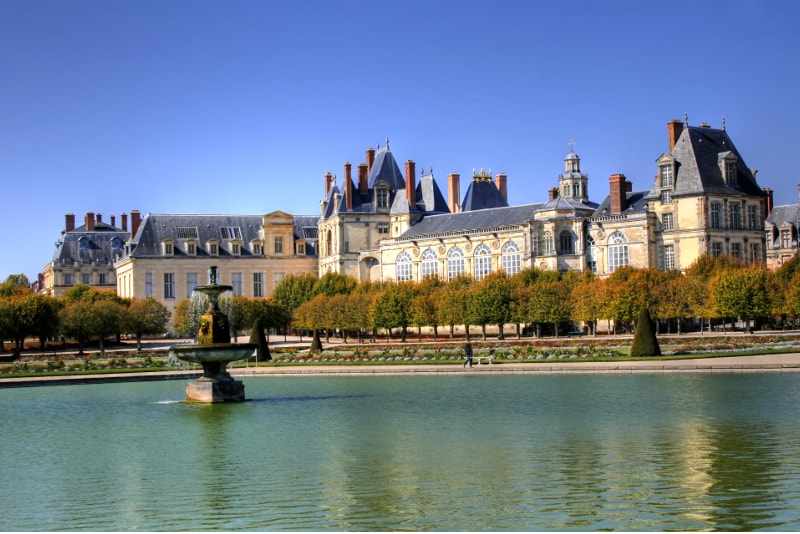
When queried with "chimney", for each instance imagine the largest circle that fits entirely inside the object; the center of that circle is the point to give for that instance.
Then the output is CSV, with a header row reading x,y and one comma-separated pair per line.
x,y
69,222
619,201
348,185
113,220
370,159
674,128
628,186
454,192
502,185
124,218
328,181
89,221
363,174
552,193
411,185
99,217
769,199
136,220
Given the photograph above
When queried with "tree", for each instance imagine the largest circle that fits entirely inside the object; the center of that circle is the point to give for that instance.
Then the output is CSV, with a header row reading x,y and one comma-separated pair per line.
x,y
393,308
743,293
587,302
645,342
39,315
335,283
186,320
492,302
145,317
76,321
238,309
550,302
294,290
15,284
105,319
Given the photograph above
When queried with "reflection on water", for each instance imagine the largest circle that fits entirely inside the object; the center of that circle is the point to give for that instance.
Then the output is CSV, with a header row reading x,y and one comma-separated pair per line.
x,y
618,452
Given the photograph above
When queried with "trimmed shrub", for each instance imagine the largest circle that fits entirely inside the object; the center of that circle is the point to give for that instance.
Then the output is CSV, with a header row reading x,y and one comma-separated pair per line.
x,y
645,342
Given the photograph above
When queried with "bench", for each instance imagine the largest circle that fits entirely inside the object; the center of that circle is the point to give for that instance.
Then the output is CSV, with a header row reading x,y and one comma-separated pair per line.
x,y
575,333
488,358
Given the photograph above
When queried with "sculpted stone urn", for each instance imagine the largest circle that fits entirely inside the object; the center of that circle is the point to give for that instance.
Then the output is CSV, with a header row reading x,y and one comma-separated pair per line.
x,y
214,351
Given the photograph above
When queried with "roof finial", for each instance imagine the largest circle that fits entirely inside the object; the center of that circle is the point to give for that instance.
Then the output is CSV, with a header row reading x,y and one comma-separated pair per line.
x,y
387,143
686,119
572,145
723,123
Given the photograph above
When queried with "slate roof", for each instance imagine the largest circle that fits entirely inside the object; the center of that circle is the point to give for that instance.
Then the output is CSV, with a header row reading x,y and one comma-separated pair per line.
x,y
781,215
481,195
637,202
98,247
385,169
429,198
566,204
467,221
697,153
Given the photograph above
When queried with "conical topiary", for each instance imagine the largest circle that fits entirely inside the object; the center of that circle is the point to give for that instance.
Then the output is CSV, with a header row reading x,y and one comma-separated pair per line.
x,y
645,342
258,337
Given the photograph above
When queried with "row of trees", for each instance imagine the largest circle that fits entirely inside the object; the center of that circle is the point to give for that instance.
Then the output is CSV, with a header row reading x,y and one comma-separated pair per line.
x,y
83,313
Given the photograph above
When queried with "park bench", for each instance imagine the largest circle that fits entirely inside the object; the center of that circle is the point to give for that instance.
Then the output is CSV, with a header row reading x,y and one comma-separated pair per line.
x,y
578,333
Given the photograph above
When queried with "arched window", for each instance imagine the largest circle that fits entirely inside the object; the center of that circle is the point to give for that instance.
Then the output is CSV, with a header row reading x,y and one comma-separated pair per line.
x,y
403,267
591,254
483,261
617,251
566,242
455,262
510,259
546,244
430,264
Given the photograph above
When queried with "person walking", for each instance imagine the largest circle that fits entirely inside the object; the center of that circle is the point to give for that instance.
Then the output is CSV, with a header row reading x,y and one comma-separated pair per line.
x,y
468,354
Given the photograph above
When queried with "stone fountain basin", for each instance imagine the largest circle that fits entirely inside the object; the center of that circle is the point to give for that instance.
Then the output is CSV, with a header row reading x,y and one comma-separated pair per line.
x,y
213,352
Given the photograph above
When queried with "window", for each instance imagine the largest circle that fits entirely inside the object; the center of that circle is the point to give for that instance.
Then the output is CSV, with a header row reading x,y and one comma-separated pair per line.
x,y
68,279
168,248
736,251
752,217
191,249
116,243
617,251
169,285
101,278
510,259
403,268
186,232
430,264
383,228
278,277
257,249
730,172
236,249
736,216
566,242
382,197
278,245
716,249
755,253
87,278
191,283
455,262
716,209
786,238
84,243
591,255
230,232
666,197
546,244
148,284
667,222
213,248
258,285
301,249
236,282
669,257
483,261
666,175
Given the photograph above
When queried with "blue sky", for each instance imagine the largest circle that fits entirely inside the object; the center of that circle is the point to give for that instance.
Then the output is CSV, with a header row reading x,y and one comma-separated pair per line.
x,y
201,106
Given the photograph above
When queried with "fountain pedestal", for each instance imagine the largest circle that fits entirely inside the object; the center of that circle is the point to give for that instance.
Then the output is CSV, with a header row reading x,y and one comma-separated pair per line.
x,y
214,351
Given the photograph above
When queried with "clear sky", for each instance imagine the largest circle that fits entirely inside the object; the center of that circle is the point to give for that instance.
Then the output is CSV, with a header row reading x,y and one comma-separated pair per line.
x,y
237,106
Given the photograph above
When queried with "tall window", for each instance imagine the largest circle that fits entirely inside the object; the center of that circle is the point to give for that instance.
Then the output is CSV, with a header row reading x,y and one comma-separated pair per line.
x,y
510,259
83,243
148,284
87,278
666,175
752,217
668,222
716,249
455,262
755,253
67,279
430,264
786,238
716,215
101,278
566,242
278,245
666,197
546,245
736,216
191,283
403,267
236,282
617,251
730,172
258,285
169,285
483,261
591,254
382,197
736,251
191,249
669,257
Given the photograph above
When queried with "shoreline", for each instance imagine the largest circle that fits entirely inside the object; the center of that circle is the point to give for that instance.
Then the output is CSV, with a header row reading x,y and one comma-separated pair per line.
x,y
767,363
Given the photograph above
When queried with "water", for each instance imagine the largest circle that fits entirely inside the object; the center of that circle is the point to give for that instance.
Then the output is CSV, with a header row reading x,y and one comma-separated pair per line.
x,y
586,452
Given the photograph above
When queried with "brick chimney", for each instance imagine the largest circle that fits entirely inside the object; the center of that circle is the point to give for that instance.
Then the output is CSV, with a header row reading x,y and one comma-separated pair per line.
x,y
370,159
113,220
501,181
618,185
69,222
552,193
674,128
124,222
328,182
136,220
89,221
411,184
348,185
99,217
454,192
363,175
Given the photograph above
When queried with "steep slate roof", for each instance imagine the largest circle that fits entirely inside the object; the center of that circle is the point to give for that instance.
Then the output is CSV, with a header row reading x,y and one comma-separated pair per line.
x,y
566,204
637,202
781,215
385,169
471,220
98,247
305,227
429,197
481,195
697,153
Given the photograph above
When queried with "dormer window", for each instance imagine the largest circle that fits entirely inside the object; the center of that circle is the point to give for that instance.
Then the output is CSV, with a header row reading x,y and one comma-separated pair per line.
x,y
301,248
382,196
727,166
257,248
84,243
191,248
213,247
666,174
236,249
168,247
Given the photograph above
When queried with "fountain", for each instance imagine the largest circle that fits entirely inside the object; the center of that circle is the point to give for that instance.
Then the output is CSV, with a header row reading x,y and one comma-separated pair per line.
x,y
214,351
